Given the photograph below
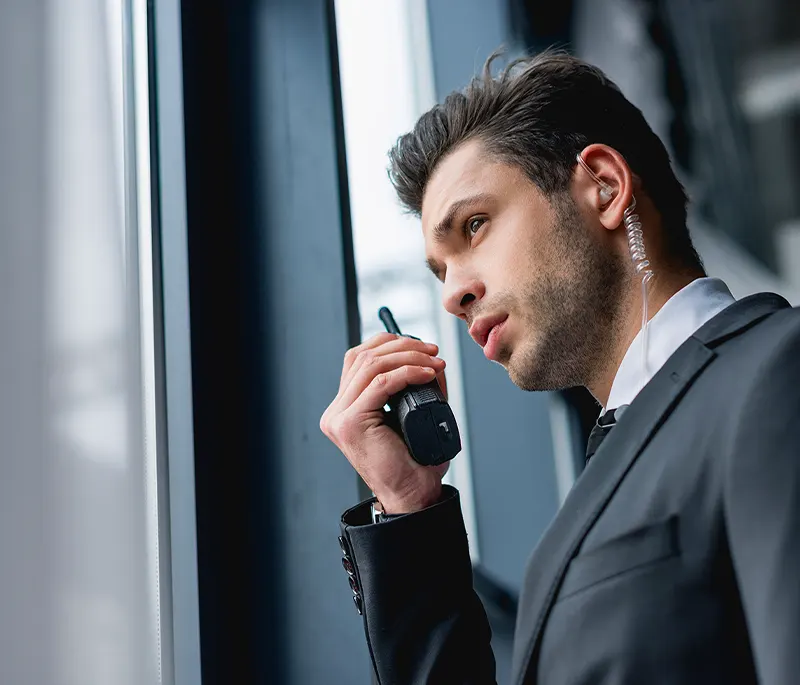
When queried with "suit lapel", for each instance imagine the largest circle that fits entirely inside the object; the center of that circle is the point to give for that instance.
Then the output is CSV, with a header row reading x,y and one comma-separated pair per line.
x,y
616,455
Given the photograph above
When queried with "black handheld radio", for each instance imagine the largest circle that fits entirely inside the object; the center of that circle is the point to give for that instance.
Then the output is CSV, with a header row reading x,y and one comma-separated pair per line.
x,y
421,416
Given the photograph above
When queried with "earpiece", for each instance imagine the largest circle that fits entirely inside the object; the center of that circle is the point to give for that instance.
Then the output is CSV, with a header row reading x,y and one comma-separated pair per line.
x,y
606,191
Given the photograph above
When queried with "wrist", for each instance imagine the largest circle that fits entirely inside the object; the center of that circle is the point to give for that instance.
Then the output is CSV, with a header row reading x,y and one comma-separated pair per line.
x,y
408,504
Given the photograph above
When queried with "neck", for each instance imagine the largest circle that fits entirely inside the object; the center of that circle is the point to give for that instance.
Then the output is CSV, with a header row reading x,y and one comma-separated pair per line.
x,y
659,290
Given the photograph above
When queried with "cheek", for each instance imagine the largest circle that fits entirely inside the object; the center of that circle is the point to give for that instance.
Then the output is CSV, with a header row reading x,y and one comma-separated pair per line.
x,y
519,260
516,253
505,268
531,239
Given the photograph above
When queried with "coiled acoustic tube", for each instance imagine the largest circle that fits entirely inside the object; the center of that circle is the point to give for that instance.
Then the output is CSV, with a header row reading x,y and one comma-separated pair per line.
x,y
633,229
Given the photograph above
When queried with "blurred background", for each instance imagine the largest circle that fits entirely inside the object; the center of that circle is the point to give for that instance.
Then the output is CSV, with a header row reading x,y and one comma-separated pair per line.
x,y
196,223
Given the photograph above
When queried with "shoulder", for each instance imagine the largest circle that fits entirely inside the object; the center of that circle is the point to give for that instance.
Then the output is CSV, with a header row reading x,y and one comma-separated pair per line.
x,y
775,352
752,382
762,348
763,427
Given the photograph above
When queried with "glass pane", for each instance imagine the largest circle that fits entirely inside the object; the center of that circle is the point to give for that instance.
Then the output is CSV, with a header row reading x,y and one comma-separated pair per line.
x,y
380,103
765,43
387,83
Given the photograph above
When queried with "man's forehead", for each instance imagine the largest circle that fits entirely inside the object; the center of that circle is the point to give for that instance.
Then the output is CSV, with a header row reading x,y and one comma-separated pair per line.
x,y
462,172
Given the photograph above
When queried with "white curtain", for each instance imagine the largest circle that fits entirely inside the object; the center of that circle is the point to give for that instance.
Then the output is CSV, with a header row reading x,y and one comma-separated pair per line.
x,y
80,594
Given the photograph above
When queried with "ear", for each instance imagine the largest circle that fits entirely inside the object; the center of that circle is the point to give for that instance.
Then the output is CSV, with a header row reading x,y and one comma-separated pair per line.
x,y
606,184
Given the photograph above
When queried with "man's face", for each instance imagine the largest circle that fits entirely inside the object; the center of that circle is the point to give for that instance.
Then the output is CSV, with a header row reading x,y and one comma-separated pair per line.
x,y
533,266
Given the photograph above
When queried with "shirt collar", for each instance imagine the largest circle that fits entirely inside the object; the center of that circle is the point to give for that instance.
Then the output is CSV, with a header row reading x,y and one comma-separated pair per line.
x,y
685,312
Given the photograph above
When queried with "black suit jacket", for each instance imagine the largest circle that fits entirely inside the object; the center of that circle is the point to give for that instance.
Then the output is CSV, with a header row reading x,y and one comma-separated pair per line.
x,y
675,559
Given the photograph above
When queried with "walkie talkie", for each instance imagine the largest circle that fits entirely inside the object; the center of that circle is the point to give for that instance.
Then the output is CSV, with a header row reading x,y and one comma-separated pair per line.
x,y
421,416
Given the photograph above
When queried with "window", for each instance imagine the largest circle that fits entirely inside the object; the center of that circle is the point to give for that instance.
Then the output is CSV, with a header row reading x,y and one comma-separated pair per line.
x,y
387,79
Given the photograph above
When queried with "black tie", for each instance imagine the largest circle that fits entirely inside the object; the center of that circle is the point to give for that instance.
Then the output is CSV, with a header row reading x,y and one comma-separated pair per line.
x,y
602,428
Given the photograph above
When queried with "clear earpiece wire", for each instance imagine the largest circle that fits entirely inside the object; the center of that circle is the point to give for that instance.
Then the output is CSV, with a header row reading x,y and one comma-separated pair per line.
x,y
633,229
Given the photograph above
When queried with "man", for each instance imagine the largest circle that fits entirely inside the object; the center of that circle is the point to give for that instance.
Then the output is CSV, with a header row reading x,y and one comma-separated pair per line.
x,y
676,556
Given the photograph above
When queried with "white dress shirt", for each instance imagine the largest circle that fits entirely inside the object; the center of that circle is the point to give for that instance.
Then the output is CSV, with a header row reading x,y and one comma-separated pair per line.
x,y
684,312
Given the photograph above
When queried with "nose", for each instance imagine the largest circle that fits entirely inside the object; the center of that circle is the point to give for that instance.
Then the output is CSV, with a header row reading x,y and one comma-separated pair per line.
x,y
460,292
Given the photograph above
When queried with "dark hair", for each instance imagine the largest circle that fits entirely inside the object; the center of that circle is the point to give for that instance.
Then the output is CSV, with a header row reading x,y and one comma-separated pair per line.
x,y
538,113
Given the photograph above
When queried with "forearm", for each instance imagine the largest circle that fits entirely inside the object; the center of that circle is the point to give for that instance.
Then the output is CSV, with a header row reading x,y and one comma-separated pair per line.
x,y
423,621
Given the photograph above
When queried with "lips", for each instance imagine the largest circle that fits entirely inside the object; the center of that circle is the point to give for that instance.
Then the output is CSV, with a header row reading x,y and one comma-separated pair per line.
x,y
481,328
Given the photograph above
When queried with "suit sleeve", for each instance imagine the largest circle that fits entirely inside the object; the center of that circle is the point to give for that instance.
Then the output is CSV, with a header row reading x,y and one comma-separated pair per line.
x,y
423,621
762,512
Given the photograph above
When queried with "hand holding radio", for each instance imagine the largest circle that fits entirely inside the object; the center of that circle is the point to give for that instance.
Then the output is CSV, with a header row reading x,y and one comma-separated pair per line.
x,y
421,415
373,373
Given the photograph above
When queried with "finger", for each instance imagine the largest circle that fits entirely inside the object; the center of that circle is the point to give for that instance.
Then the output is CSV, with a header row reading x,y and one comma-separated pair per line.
x,y
352,354
383,364
384,385
367,354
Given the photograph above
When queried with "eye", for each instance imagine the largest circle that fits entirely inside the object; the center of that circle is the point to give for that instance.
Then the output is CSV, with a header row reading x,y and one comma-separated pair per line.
x,y
474,224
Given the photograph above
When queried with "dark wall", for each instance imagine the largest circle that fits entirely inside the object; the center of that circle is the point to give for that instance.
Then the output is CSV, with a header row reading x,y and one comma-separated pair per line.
x,y
270,279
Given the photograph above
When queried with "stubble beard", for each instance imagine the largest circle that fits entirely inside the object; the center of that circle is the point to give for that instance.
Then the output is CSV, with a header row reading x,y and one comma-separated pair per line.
x,y
573,313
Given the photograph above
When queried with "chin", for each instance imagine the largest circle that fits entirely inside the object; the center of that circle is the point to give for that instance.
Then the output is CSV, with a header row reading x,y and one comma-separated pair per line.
x,y
527,370
521,380
519,374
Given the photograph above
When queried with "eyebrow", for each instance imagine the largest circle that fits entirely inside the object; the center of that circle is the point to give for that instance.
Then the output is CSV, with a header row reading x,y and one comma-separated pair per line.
x,y
442,230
